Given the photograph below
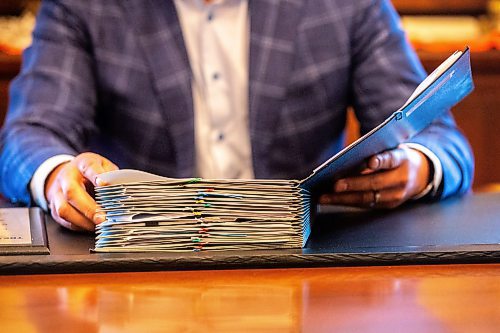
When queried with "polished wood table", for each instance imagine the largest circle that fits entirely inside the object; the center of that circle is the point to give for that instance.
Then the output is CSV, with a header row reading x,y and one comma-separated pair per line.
x,y
440,298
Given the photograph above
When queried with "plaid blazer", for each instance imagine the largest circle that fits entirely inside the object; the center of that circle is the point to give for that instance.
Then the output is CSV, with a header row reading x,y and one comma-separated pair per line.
x,y
113,77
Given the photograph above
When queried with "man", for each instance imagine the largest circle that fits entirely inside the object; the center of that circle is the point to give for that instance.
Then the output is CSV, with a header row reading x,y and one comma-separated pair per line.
x,y
219,89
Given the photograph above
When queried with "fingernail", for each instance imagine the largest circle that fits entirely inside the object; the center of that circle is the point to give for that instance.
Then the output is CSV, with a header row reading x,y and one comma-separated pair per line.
x,y
324,199
374,163
99,182
340,186
99,218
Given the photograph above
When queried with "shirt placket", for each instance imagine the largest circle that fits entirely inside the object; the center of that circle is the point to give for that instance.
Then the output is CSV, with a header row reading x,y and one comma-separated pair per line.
x,y
217,96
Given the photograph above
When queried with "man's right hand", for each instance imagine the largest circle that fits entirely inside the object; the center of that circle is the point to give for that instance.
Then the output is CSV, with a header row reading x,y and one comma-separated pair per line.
x,y
66,190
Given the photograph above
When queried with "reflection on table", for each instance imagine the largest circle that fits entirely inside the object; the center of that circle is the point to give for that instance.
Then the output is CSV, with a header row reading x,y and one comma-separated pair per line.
x,y
451,298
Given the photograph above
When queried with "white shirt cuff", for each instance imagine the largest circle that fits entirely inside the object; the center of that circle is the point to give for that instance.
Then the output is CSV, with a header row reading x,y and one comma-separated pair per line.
x,y
433,185
37,183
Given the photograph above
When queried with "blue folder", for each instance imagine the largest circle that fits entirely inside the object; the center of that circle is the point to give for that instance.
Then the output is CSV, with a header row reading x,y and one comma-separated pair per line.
x,y
445,87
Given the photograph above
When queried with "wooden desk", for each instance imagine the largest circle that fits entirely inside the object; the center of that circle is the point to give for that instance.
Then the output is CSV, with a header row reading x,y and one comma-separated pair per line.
x,y
446,298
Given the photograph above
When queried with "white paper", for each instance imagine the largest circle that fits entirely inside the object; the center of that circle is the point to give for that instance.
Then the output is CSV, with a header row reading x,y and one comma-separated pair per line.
x,y
146,212
15,226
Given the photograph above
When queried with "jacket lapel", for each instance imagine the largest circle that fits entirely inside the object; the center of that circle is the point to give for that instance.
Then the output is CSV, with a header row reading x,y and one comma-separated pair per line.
x,y
160,36
273,26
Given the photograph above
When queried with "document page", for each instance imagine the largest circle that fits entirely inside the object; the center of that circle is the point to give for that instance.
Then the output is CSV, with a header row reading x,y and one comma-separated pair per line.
x,y
15,226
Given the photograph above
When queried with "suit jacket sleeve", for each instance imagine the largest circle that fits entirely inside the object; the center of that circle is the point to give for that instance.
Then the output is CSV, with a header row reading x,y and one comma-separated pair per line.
x,y
385,72
52,101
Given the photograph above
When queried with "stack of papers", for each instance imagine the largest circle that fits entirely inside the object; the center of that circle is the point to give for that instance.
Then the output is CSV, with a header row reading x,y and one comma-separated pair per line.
x,y
146,212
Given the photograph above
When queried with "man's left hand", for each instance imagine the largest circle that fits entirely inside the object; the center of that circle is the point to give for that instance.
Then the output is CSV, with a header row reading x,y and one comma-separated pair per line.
x,y
390,179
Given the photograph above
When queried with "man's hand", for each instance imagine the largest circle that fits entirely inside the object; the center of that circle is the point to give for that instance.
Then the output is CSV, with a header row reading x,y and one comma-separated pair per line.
x,y
67,191
391,178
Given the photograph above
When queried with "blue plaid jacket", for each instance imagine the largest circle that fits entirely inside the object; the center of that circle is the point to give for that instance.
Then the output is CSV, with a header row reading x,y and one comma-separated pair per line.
x,y
113,77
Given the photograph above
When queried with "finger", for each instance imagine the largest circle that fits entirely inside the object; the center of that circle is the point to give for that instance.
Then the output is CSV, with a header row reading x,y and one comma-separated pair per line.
x,y
355,199
67,216
100,182
371,182
92,166
108,166
57,218
76,195
390,198
90,170
389,159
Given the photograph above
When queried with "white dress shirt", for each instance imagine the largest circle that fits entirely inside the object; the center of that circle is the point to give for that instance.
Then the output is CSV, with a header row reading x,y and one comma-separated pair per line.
x,y
217,41
216,35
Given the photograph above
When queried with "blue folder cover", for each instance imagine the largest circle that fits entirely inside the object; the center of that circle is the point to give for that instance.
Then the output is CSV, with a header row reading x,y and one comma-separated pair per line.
x,y
445,87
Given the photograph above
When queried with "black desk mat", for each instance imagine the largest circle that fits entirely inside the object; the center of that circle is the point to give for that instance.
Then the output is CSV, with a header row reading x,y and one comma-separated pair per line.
x,y
459,230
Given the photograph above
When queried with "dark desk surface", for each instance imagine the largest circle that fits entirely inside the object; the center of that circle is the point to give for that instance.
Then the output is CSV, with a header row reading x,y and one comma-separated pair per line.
x,y
460,230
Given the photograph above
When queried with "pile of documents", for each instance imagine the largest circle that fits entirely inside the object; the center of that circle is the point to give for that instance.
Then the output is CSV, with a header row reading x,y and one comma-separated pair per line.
x,y
164,214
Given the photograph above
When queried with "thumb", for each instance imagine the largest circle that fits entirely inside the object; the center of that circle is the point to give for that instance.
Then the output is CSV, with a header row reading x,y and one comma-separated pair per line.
x,y
389,159
91,165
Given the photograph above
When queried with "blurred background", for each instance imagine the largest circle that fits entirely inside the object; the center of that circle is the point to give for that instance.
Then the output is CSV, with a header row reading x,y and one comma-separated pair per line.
x,y
436,28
